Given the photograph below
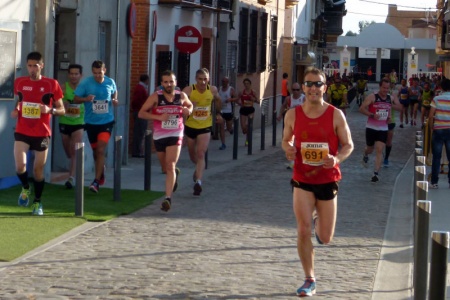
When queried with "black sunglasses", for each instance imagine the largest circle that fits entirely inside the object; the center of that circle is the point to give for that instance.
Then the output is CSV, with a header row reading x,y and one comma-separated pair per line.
x,y
296,89
315,83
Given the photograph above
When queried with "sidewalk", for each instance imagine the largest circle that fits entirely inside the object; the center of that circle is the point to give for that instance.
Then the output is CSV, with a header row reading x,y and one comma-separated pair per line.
x,y
238,239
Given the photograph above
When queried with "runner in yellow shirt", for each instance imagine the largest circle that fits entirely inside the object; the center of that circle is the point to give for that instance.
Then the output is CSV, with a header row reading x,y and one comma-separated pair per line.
x,y
198,125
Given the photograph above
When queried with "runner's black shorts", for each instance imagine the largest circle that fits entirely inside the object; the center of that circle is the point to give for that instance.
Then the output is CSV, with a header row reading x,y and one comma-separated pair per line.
x,y
69,129
162,144
93,130
246,110
36,143
192,133
227,116
373,136
325,192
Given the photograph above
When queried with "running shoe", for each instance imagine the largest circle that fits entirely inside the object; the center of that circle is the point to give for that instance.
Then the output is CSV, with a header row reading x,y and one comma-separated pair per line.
x,y
94,187
401,125
24,197
175,185
375,178
223,147
101,181
315,233
166,204
434,186
246,143
307,289
365,161
386,163
37,209
69,183
197,189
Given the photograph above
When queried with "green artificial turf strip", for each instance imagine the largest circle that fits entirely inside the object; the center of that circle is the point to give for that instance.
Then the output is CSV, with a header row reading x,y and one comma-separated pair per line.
x,y
60,202
21,232
20,235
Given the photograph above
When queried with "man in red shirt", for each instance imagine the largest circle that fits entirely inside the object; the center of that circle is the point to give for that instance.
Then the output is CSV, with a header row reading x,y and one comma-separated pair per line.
x,y
140,125
284,87
318,151
38,98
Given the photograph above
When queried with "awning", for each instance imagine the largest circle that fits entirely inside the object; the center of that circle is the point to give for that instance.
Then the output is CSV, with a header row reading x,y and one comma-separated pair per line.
x,y
309,60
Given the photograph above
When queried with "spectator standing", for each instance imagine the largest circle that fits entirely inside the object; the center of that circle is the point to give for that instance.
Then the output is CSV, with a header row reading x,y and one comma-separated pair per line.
x,y
439,119
140,94
284,87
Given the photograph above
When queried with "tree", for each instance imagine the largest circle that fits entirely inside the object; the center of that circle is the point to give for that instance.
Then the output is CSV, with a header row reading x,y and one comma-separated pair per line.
x,y
364,24
351,33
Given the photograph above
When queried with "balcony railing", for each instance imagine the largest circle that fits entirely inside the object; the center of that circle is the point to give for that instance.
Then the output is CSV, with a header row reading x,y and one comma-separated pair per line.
x,y
223,6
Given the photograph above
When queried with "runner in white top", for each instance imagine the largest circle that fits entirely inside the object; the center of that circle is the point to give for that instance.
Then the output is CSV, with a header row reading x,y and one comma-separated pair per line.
x,y
228,97
295,99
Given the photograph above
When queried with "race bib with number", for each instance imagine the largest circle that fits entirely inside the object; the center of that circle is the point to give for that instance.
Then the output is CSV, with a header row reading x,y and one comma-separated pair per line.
x,y
73,111
100,107
404,96
172,123
31,110
382,114
313,154
201,112
248,103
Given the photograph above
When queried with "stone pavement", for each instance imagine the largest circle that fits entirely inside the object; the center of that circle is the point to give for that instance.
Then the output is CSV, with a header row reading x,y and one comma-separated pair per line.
x,y
236,241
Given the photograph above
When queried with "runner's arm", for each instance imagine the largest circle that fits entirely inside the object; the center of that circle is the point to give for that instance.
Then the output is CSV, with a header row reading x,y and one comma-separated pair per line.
x,y
146,110
288,135
187,105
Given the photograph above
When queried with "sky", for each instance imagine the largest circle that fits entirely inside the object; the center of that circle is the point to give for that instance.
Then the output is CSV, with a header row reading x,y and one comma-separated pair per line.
x,y
376,10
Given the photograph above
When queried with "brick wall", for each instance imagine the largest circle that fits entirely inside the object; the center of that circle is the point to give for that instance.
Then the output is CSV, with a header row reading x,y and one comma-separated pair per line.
x,y
139,52
402,19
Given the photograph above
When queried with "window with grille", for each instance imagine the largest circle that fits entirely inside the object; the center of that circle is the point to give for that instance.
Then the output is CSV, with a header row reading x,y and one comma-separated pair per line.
x,y
104,42
206,53
273,42
184,65
243,39
232,55
253,42
300,52
263,43
164,62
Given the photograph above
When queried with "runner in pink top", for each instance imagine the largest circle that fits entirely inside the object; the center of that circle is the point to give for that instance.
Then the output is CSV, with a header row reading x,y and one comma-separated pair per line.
x,y
166,108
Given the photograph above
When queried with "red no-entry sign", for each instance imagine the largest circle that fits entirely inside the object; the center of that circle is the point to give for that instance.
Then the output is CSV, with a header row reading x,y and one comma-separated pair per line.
x,y
188,39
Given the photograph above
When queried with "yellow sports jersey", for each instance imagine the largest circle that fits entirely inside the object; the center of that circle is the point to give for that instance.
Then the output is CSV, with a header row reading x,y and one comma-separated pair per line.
x,y
201,115
337,93
361,84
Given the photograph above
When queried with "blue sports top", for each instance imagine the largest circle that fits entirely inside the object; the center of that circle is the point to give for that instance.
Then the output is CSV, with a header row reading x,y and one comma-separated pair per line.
x,y
100,111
